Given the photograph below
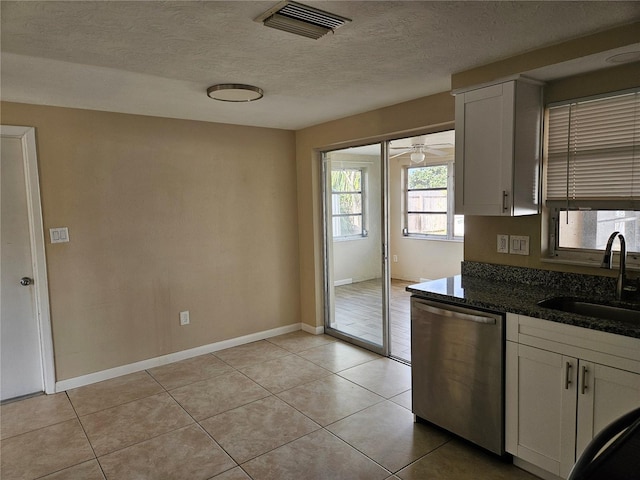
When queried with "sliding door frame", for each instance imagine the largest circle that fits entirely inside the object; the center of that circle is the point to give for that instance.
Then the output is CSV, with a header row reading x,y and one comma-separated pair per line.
x,y
383,349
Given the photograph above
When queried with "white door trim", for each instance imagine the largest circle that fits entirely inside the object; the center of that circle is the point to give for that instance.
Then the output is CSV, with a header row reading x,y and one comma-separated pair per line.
x,y
36,231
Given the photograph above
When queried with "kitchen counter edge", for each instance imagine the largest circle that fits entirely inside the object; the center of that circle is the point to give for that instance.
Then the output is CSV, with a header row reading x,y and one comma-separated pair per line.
x,y
493,296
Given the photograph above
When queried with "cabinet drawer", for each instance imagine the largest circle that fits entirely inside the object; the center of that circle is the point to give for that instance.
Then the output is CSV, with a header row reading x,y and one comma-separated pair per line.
x,y
593,345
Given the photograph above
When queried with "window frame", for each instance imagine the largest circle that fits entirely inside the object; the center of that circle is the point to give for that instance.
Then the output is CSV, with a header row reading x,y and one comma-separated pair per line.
x,y
362,192
554,253
450,213
579,256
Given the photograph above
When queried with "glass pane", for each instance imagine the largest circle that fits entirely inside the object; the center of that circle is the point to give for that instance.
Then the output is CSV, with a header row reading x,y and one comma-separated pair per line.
x,y
346,203
427,177
458,226
591,229
346,180
347,226
427,201
354,267
428,223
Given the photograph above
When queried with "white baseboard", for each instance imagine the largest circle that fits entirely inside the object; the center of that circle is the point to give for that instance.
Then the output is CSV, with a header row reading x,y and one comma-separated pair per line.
x,y
313,330
344,281
177,356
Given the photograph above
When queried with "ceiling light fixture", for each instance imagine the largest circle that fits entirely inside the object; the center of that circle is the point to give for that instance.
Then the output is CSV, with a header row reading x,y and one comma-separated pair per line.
x,y
417,155
627,57
234,92
301,19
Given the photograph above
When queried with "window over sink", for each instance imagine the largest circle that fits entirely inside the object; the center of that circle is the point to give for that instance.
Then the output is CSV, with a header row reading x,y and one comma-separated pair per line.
x,y
592,181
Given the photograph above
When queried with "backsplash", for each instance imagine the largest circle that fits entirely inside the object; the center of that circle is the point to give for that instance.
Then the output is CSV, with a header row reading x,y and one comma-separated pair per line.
x,y
571,283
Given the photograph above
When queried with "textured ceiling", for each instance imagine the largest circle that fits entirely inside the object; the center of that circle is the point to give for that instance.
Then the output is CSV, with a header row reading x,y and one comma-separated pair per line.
x,y
158,58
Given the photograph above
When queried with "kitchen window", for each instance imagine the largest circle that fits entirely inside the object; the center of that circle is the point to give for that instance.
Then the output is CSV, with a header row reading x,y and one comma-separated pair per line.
x,y
429,203
593,175
347,200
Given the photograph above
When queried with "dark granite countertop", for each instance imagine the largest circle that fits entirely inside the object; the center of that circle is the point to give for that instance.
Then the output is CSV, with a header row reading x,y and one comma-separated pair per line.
x,y
500,294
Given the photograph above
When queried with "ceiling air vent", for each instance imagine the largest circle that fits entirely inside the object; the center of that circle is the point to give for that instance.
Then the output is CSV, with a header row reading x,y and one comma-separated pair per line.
x,y
300,19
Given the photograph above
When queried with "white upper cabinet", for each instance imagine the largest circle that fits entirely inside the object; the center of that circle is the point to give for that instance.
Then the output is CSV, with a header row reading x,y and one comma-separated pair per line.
x,y
498,149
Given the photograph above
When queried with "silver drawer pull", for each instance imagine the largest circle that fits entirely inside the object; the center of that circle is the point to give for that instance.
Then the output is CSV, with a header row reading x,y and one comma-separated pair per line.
x,y
456,315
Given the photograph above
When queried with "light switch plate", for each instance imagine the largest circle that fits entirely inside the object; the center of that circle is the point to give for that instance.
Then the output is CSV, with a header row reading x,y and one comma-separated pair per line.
x,y
519,244
59,235
503,243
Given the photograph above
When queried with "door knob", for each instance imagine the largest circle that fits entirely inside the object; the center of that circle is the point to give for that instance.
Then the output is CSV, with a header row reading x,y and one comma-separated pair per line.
x,y
26,281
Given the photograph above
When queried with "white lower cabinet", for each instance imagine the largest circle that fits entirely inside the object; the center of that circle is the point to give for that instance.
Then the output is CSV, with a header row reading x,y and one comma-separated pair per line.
x,y
560,392
609,393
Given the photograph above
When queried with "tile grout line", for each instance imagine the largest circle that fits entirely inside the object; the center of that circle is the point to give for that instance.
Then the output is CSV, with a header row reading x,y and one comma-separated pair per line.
x,y
422,457
195,421
359,451
275,395
272,394
86,436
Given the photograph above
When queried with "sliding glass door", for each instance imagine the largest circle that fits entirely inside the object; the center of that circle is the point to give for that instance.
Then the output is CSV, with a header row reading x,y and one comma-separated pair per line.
x,y
356,245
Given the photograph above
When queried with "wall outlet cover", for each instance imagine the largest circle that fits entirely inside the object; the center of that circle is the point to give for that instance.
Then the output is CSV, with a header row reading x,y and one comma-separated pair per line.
x,y
59,235
503,244
184,318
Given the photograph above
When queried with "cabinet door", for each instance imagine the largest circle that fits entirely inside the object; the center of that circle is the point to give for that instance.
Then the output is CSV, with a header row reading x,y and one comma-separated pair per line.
x,y
484,150
541,407
605,394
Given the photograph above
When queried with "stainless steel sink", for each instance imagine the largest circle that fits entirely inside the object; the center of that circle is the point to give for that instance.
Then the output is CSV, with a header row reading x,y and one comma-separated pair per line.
x,y
592,309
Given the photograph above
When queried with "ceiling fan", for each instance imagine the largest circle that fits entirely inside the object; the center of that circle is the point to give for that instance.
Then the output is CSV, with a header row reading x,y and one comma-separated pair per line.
x,y
419,150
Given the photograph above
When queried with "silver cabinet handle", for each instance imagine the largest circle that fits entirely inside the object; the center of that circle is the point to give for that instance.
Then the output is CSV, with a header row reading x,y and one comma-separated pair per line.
x,y
567,378
585,371
26,281
454,314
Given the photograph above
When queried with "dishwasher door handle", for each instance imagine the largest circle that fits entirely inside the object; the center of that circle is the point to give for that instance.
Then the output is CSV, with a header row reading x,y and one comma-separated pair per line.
x,y
457,315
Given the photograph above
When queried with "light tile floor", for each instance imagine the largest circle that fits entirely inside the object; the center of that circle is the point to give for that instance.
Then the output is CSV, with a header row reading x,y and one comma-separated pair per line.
x,y
297,406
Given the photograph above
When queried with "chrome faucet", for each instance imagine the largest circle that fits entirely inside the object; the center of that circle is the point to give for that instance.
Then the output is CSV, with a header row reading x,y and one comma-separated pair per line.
x,y
607,260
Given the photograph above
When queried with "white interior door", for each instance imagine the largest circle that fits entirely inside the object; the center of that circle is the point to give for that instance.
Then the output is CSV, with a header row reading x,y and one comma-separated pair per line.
x,y
21,353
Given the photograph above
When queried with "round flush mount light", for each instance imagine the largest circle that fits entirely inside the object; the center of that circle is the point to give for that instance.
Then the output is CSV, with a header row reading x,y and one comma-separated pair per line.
x,y
624,57
234,92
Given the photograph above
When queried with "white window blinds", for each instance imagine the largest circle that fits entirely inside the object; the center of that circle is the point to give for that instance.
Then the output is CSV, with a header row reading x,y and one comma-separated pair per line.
x,y
593,154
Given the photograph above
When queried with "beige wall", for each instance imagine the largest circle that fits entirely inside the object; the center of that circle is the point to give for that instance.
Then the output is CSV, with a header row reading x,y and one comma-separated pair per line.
x,y
164,215
550,55
602,81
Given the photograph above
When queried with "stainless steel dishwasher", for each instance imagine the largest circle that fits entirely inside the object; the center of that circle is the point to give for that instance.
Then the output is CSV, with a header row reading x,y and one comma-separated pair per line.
x,y
457,370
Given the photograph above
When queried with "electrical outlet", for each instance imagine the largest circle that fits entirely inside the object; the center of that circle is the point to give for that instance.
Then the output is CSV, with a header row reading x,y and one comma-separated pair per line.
x,y
395,258
184,318
519,244
503,243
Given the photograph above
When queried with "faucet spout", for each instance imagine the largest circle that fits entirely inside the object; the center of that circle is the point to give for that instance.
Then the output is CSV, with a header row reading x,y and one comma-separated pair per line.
x,y
607,261
608,254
